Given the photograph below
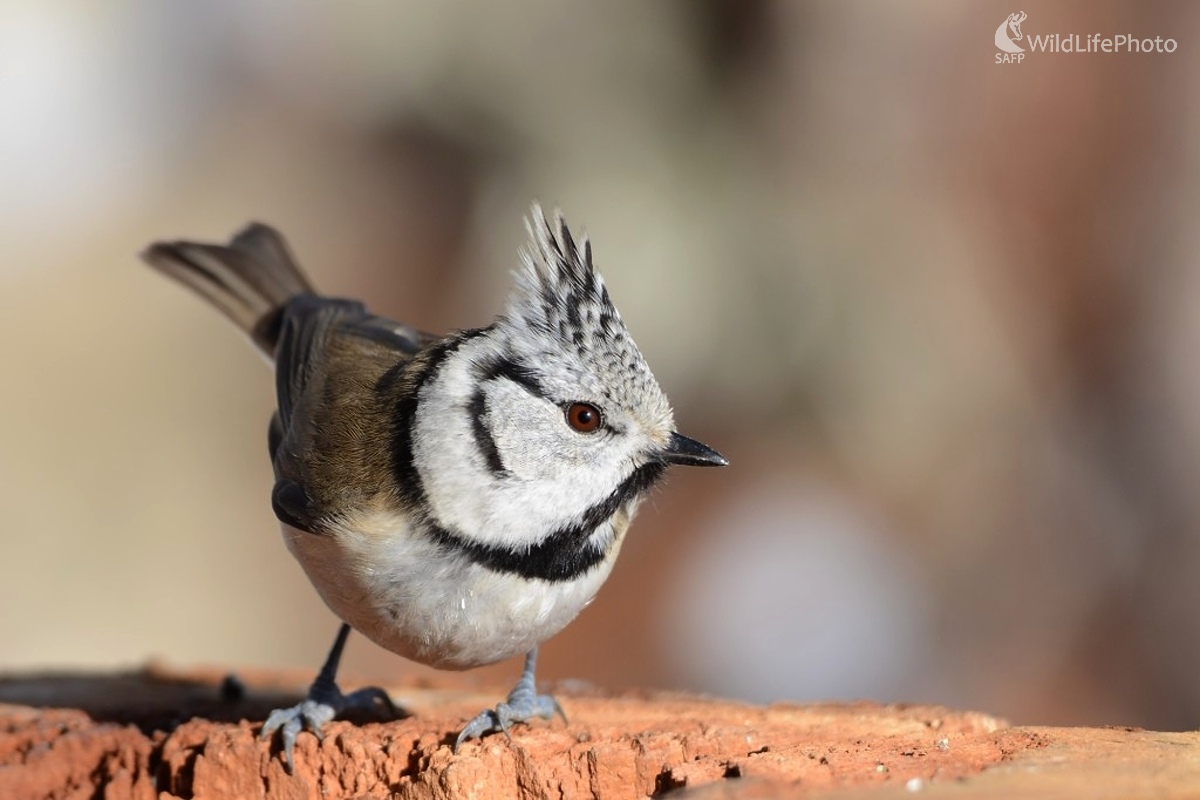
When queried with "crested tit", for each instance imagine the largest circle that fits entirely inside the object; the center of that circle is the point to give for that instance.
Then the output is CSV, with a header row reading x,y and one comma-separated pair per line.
x,y
457,499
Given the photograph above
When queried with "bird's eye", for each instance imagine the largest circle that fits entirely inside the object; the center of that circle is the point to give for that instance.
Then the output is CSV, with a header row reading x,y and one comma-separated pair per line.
x,y
583,417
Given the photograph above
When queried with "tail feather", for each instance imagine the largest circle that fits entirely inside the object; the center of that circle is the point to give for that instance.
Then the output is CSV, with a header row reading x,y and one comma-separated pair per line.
x,y
249,280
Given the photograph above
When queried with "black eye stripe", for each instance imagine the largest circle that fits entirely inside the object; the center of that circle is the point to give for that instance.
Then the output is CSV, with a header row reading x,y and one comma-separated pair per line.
x,y
518,374
503,367
485,442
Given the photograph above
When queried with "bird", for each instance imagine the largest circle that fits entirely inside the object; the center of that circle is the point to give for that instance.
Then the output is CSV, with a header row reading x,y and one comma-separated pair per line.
x,y
458,499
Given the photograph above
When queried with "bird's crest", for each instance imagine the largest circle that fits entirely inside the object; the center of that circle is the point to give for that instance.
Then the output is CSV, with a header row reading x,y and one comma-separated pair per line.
x,y
561,300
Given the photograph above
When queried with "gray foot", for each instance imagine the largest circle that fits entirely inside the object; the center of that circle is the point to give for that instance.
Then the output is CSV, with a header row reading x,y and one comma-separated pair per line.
x,y
325,702
523,704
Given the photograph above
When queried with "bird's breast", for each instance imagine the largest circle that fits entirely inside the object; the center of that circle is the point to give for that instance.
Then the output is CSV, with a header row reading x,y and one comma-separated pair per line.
x,y
421,600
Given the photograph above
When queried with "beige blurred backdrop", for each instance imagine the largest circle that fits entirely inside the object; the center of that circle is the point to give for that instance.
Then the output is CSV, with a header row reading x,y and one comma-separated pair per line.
x,y
942,315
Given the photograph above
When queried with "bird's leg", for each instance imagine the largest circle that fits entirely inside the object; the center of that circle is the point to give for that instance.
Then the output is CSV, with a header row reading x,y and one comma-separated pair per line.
x,y
324,702
523,704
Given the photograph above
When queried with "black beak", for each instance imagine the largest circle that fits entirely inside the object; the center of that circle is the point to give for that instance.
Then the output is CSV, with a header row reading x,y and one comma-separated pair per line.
x,y
682,450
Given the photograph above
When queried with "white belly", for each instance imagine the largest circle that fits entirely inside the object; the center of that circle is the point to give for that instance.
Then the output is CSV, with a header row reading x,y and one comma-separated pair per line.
x,y
409,596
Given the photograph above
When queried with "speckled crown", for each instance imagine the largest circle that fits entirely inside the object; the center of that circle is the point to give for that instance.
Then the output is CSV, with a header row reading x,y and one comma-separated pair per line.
x,y
562,301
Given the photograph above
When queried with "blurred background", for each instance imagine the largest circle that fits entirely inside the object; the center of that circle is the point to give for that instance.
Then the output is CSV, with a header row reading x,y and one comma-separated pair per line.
x,y
942,315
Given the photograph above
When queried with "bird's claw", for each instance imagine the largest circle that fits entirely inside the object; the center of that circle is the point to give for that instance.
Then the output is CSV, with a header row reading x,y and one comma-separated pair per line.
x,y
310,715
518,708
321,707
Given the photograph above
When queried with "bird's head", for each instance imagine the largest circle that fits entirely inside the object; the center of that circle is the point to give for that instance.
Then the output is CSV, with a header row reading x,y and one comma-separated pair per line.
x,y
550,419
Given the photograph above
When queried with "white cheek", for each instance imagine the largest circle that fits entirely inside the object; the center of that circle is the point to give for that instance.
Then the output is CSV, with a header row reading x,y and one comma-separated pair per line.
x,y
523,429
552,474
532,436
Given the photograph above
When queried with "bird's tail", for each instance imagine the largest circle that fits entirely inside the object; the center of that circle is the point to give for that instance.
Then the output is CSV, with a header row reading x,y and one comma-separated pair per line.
x,y
249,280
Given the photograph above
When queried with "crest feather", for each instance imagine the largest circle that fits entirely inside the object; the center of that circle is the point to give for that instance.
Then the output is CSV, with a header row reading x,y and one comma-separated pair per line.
x,y
561,306
558,290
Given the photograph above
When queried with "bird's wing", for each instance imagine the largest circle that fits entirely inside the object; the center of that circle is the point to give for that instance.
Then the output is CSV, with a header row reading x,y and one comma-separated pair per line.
x,y
330,436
